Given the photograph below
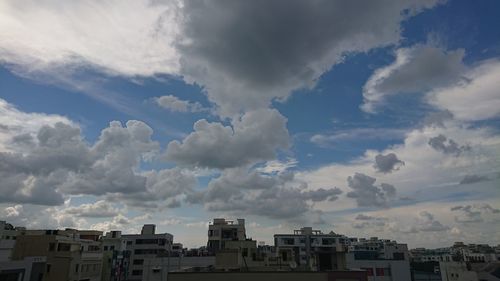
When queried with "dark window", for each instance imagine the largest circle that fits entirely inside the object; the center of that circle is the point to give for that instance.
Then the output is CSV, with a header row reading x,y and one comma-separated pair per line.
x,y
369,271
138,262
328,241
398,256
105,248
244,252
146,241
146,251
76,267
48,268
288,241
112,248
137,272
129,242
379,271
63,247
52,247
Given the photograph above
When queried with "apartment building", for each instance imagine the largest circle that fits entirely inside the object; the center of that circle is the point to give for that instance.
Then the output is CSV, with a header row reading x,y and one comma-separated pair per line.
x,y
8,235
384,260
28,269
143,248
222,230
115,257
311,249
70,254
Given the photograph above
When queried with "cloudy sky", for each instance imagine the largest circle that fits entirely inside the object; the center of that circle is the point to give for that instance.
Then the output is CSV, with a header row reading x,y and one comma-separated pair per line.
x,y
368,118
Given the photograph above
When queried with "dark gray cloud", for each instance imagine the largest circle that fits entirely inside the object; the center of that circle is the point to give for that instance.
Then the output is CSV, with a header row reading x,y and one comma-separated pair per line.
x,y
473,213
265,49
254,137
364,221
387,163
239,191
363,217
427,223
415,70
447,146
468,179
99,209
367,194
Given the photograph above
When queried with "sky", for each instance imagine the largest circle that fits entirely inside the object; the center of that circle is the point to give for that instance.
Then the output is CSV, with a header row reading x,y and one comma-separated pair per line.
x,y
366,118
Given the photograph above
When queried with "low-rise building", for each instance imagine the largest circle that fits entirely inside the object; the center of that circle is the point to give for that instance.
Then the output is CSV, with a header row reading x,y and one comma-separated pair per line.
x,y
145,247
222,230
311,249
457,271
8,235
27,269
71,254
384,260
115,257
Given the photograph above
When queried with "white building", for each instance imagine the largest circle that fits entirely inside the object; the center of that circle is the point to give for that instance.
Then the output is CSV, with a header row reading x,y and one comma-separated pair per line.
x,y
28,269
311,249
8,235
384,260
146,246
222,230
456,271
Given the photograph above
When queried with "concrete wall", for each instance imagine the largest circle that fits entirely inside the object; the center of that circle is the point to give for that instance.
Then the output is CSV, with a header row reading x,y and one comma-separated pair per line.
x,y
29,269
400,269
456,271
157,269
265,276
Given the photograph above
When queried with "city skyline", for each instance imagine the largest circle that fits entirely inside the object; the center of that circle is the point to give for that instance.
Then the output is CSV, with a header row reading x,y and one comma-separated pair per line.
x,y
369,120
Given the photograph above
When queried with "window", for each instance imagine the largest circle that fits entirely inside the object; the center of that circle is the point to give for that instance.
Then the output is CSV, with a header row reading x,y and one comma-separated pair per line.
x,y
398,256
112,248
129,242
138,262
328,241
288,241
52,247
244,252
63,247
77,266
146,251
379,271
369,271
146,241
210,233
105,248
137,272
48,267
387,271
